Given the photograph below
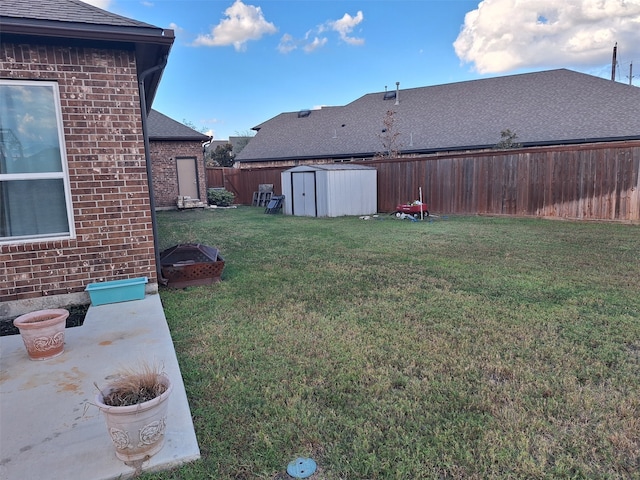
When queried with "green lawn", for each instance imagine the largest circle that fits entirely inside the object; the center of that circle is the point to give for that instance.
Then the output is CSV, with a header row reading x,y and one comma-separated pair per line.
x,y
466,347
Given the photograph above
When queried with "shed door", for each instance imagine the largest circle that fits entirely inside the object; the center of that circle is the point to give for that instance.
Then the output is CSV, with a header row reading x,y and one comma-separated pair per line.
x,y
303,185
187,177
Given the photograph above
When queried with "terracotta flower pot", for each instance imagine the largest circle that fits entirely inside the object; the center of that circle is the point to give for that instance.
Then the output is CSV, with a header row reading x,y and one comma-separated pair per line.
x,y
137,431
43,332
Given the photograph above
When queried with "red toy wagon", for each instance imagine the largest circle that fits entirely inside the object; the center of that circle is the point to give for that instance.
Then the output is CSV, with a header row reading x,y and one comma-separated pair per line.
x,y
412,209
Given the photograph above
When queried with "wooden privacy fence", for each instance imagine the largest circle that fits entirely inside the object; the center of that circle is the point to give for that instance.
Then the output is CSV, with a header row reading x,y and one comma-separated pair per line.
x,y
243,182
582,182
590,182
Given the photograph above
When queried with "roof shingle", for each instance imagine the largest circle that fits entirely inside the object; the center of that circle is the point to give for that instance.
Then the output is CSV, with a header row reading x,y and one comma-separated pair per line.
x,y
71,11
550,107
72,22
162,127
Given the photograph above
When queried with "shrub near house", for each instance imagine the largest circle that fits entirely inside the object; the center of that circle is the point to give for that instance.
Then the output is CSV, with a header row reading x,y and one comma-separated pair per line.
x,y
220,197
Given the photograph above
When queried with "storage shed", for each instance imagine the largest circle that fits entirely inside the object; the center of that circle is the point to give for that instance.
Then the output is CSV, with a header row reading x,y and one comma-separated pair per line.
x,y
330,190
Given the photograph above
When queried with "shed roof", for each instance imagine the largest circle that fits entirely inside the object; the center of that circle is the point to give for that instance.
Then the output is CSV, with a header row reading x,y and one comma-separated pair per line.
x,y
543,108
329,167
162,127
73,22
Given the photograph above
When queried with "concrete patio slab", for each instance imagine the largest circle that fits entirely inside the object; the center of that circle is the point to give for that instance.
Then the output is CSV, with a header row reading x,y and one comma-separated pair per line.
x,y
49,425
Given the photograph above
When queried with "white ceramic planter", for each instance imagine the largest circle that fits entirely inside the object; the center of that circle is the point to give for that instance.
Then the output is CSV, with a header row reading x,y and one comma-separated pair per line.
x,y
137,431
42,332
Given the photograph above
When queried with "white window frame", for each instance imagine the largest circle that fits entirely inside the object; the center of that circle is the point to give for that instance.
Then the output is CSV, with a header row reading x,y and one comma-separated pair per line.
x,y
63,174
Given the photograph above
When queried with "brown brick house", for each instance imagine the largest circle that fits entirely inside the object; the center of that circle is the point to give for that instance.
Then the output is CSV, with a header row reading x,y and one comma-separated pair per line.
x,y
177,161
76,83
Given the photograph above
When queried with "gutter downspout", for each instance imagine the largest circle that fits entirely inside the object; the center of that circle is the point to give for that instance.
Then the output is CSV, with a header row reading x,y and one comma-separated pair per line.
x,y
147,157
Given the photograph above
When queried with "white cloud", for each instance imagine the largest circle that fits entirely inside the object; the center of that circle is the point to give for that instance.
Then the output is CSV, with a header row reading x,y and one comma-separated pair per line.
x,y
345,26
315,44
287,44
243,23
314,38
502,35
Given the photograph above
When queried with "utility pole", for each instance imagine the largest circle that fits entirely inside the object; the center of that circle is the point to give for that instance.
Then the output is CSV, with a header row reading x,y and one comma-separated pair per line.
x,y
631,74
613,62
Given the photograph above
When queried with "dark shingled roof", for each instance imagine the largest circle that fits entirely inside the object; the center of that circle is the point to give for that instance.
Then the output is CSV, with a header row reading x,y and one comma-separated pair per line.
x,y
72,22
543,108
69,11
161,127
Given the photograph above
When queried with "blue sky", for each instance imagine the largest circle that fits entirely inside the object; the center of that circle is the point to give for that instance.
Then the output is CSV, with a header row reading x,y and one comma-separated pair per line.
x,y
238,63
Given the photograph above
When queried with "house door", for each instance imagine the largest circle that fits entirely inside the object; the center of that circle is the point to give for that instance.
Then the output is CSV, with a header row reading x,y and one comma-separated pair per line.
x,y
303,185
187,177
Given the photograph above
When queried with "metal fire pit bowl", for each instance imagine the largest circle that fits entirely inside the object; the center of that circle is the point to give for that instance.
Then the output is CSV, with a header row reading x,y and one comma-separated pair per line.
x,y
191,264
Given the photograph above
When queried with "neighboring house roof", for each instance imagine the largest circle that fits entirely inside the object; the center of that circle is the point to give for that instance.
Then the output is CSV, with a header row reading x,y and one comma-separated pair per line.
x,y
239,142
161,127
216,143
543,108
72,22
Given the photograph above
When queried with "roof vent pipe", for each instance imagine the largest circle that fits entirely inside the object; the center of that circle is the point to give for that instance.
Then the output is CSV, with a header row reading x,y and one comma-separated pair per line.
x,y
397,93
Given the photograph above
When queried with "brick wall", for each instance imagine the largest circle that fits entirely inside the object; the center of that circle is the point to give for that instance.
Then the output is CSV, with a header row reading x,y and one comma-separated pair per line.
x,y
105,152
165,175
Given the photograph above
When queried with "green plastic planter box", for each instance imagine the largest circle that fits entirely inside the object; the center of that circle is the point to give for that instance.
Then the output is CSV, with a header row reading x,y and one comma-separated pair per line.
x,y
115,291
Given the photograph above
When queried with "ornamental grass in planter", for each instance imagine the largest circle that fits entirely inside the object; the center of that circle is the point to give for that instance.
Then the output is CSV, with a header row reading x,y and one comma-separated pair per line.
x,y
135,407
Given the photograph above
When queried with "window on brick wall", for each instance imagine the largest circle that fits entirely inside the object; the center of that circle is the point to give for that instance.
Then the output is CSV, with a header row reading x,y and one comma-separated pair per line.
x,y
35,202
